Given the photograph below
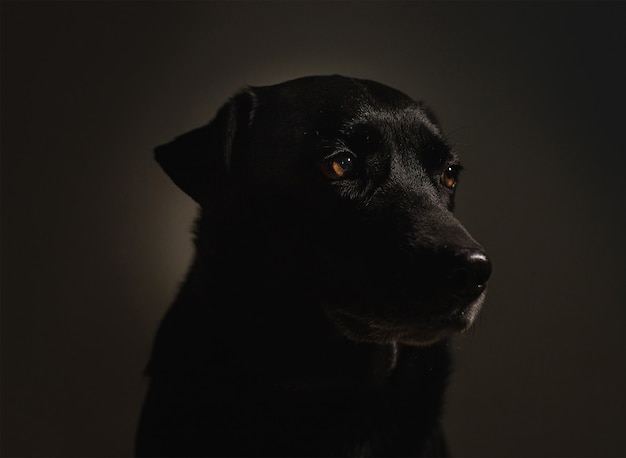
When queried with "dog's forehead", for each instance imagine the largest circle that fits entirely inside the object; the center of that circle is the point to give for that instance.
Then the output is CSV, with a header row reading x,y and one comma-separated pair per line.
x,y
320,96
325,106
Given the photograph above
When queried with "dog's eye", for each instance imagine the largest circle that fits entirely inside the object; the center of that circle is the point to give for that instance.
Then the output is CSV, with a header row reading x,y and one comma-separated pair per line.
x,y
338,166
450,176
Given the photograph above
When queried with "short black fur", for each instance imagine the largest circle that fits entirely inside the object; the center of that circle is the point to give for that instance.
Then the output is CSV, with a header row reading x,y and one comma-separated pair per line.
x,y
329,273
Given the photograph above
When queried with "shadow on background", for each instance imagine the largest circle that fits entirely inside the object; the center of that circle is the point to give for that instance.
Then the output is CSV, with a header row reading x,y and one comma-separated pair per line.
x,y
95,239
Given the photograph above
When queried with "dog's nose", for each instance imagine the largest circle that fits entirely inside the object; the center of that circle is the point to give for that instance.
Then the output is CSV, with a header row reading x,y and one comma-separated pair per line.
x,y
468,273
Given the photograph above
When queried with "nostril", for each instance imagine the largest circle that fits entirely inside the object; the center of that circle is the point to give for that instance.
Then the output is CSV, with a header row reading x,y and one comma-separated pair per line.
x,y
468,274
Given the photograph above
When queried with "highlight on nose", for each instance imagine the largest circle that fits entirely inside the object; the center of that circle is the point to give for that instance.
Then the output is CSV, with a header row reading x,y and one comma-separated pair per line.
x,y
467,273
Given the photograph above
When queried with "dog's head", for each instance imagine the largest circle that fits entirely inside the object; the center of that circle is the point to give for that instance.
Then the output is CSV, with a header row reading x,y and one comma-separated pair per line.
x,y
342,190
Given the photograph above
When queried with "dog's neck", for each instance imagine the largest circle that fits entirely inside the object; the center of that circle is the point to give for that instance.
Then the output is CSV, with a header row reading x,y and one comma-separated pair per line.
x,y
295,351
362,367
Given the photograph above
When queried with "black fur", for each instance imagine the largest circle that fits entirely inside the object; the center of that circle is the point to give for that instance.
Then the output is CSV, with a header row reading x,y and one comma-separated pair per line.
x,y
314,319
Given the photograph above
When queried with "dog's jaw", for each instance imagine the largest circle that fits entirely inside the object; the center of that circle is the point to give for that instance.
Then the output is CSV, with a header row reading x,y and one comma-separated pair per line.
x,y
381,330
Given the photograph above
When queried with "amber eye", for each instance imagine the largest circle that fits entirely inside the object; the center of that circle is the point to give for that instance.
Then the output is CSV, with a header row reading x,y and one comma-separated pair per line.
x,y
338,166
450,176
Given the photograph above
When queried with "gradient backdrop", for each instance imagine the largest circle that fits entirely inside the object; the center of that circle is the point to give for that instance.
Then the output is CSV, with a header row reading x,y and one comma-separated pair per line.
x,y
95,238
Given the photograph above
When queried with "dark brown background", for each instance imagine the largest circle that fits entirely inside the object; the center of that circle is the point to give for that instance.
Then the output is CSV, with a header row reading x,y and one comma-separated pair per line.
x,y
95,238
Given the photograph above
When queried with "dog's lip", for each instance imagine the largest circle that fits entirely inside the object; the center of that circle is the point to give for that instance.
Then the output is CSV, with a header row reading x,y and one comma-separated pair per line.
x,y
383,331
423,329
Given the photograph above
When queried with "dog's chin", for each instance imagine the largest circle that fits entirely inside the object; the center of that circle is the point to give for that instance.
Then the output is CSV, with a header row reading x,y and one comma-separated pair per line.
x,y
422,331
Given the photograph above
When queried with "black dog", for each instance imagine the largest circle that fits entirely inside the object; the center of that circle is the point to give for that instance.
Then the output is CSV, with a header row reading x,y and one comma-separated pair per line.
x,y
329,271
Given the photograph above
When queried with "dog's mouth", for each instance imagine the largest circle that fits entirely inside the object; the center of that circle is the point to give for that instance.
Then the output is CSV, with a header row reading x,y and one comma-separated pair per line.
x,y
421,300
418,329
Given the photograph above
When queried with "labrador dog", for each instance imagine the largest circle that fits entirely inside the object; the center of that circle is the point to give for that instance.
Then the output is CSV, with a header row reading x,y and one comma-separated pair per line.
x,y
329,274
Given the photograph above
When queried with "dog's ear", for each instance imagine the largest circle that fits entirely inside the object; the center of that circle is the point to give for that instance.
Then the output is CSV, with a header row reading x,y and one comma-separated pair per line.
x,y
198,161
